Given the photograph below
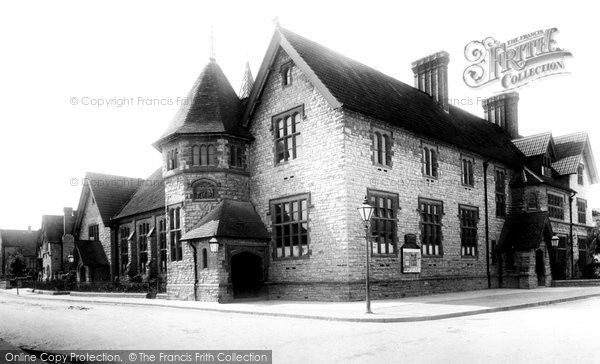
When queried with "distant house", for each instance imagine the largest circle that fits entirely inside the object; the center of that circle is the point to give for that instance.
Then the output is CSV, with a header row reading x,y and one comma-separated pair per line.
x,y
54,250
20,244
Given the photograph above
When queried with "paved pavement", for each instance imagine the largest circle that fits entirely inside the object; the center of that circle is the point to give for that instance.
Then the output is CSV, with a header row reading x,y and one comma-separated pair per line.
x,y
422,308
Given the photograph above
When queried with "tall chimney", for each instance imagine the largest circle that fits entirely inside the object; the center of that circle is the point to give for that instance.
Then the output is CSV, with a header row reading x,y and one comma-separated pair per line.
x,y
68,220
502,110
431,76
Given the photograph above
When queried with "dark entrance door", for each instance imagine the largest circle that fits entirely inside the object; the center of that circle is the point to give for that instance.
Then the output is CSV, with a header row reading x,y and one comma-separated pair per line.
x,y
560,259
540,269
246,275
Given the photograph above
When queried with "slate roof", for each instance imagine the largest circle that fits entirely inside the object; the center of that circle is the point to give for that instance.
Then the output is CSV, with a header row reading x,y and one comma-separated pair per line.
x,y
523,232
570,144
527,177
231,219
365,90
534,144
111,192
149,196
567,165
212,107
91,253
27,240
53,226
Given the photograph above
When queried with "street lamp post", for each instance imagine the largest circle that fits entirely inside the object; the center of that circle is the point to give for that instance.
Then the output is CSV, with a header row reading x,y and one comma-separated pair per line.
x,y
366,211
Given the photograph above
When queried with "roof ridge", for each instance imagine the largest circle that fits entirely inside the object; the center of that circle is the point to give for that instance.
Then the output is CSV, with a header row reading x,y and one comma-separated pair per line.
x,y
533,136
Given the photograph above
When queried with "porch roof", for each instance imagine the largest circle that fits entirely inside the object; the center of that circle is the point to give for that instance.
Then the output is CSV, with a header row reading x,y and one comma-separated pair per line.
x,y
232,219
522,232
91,253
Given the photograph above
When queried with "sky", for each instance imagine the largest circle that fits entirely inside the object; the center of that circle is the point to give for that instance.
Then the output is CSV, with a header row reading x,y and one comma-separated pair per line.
x,y
89,85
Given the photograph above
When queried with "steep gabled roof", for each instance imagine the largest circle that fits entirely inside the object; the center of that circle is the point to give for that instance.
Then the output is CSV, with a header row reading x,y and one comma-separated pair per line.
x,y
534,144
148,197
25,240
211,107
110,192
53,227
230,219
526,176
571,149
523,232
346,83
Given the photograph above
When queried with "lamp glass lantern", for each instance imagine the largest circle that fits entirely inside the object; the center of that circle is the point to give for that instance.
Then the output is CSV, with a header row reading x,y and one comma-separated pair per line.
x,y
71,258
213,243
554,241
365,211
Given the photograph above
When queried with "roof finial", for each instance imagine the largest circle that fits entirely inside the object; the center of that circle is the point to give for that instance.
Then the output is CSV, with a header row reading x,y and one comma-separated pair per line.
x,y
276,21
212,44
247,82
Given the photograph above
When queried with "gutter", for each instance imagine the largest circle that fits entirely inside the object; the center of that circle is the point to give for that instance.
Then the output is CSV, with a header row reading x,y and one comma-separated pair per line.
x,y
195,269
487,223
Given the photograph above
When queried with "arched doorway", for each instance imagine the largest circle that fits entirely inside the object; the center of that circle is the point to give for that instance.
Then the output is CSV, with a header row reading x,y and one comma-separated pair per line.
x,y
246,275
540,268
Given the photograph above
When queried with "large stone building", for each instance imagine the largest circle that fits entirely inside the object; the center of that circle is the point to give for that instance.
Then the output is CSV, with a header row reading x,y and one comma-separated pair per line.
x,y
19,244
273,177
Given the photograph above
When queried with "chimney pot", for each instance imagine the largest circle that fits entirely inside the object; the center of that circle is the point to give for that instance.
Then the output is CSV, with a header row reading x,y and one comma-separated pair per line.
x,y
431,76
502,110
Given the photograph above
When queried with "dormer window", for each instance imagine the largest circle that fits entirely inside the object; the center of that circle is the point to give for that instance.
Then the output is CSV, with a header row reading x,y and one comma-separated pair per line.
x,y
546,166
286,74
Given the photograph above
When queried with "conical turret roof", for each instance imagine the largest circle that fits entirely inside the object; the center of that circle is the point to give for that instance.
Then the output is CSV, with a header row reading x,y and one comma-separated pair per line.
x,y
211,106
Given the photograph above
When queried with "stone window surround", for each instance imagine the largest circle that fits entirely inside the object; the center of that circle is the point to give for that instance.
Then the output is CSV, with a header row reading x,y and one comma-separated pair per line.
x,y
394,197
291,198
162,244
500,194
380,135
94,232
285,72
555,209
430,160
124,233
172,159
438,225
175,232
297,111
467,170
204,154
237,156
463,252
143,244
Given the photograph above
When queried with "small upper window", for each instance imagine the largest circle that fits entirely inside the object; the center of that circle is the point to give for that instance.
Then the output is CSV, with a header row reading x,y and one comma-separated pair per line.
x,y
172,159
429,161
546,165
382,149
467,171
580,174
287,134
286,74
237,156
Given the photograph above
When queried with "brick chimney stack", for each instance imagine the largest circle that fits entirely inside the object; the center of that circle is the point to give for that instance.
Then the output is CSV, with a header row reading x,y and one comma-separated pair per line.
x,y
68,220
431,76
502,110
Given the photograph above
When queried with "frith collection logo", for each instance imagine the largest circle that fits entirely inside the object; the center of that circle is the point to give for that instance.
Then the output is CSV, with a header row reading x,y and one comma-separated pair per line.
x,y
514,63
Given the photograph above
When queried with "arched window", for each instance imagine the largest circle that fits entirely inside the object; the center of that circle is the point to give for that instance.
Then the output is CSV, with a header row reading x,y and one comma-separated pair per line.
x,y
212,155
430,166
195,155
203,155
204,259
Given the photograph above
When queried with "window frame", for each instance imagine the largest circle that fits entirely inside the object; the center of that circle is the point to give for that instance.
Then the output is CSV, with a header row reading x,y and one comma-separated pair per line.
x,y
382,156
580,175
467,170
163,259
436,226
143,241
472,241
553,209
285,72
378,195
278,227
546,165
172,159
430,160
295,136
500,192
581,215
94,232
237,156
124,232
176,248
